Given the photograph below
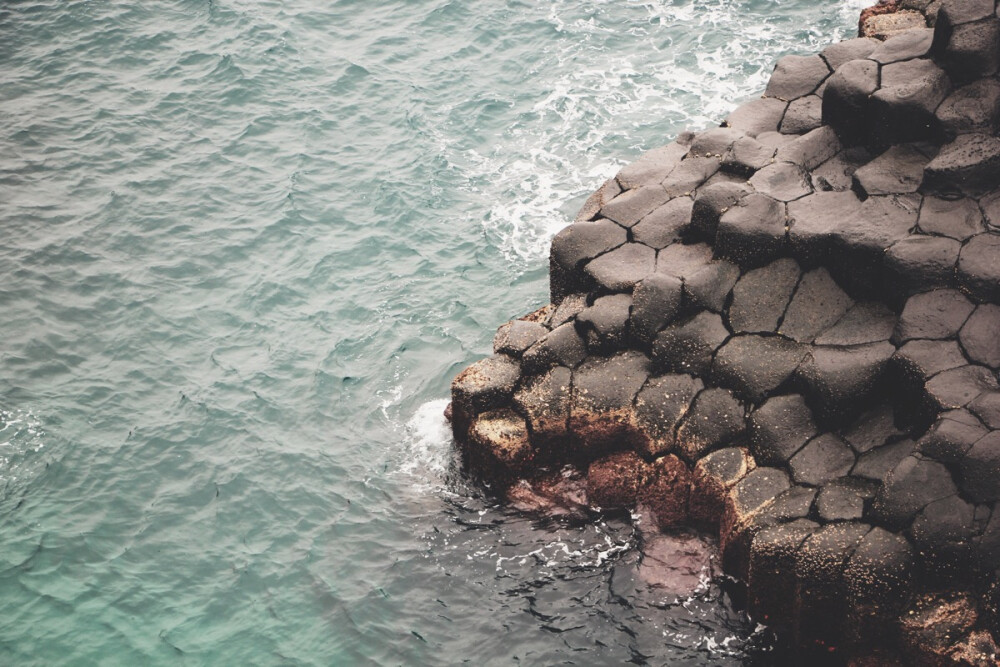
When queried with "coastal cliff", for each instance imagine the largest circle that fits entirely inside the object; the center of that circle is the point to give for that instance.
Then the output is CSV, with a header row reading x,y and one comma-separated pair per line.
x,y
785,330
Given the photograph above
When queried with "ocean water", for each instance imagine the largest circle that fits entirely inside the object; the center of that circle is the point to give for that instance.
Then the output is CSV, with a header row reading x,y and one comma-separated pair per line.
x,y
246,245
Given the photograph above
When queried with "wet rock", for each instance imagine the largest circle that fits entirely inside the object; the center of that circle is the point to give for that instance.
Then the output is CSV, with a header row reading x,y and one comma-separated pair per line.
x,y
796,76
562,494
865,322
546,403
761,296
910,486
575,245
655,303
485,385
678,563
818,304
905,46
614,481
757,116
957,219
716,419
604,324
900,169
659,408
936,314
499,446
904,106
978,270
780,428
823,458
752,232
979,469
667,492
968,164
754,365
561,346
601,196
972,108
604,389
847,99
688,346
709,205
631,206
803,115
516,336
665,224
980,335
621,268
651,167
949,439
712,478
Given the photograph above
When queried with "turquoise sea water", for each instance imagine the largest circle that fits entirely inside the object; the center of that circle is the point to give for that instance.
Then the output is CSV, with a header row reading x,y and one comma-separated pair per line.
x,y
246,245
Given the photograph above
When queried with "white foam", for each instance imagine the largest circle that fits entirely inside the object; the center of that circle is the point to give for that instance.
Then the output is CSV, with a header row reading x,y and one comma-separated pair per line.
x,y
428,451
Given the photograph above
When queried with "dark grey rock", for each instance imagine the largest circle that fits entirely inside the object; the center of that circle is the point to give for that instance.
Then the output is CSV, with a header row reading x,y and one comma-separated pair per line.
x,y
865,322
980,336
912,485
562,346
659,408
837,173
872,429
752,233
758,489
899,169
747,155
687,347
942,530
545,402
716,419
840,381
516,336
632,206
971,108
920,262
655,303
683,261
955,218
970,164
903,108
773,139
709,287
949,439
847,100
978,268
936,314
485,385
690,174
879,575
957,12
783,181
566,310
979,470
709,205
604,390
803,115
969,51
861,239
665,224
875,464
920,360
761,296
779,429
650,168
851,49
811,149
986,407
714,142
841,502
575,245
621,268
753,366
796,76
594,202
825,457
905,46
813,220
758,116
818,304
956,387
604,324
990,205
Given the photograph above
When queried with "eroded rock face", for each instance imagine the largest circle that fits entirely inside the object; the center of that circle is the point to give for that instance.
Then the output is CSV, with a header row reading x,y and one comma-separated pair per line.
x,y
785,330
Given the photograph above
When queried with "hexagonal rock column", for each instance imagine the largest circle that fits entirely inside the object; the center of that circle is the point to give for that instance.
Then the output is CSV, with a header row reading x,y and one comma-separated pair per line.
x,y
785,330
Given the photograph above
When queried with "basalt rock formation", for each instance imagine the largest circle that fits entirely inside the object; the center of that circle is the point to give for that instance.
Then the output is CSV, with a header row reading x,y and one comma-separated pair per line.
x,y
787,329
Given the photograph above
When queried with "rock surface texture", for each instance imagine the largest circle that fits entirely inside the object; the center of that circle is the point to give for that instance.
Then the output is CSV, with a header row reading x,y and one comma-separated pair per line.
x,y
787,330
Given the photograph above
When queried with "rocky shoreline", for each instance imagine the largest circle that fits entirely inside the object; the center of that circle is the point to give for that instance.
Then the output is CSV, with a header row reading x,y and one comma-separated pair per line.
x,y
786,330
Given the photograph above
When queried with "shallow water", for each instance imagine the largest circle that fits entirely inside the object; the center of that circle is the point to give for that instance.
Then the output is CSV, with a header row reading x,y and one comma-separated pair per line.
x,y
247,246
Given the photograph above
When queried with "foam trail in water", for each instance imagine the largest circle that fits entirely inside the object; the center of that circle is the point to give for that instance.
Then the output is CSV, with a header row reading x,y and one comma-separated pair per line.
x,y
428,453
